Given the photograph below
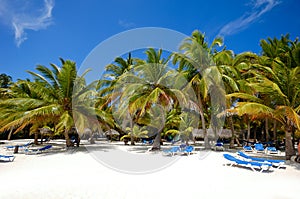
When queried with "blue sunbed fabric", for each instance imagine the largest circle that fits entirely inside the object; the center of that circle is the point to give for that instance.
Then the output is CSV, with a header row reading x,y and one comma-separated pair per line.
x,y
277,163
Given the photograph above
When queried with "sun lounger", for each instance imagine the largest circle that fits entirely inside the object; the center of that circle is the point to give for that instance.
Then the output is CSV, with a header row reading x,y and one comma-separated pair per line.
x,y
172,151
187,150
24,146
259,148
247,148
275,163
219,146
271,150
39,150
7,158
260,166
150,142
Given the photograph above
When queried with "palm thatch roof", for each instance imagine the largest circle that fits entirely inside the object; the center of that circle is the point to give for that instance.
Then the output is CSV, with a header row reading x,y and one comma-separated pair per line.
x,y
224,133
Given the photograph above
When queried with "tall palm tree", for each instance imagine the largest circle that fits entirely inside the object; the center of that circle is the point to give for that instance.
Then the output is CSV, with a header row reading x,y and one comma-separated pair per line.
x,y
150,90
234,70
276,81
196,63
57,96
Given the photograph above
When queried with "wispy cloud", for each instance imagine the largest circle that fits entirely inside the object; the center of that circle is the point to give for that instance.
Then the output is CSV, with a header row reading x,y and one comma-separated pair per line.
x,y
25,15
259,7
125,24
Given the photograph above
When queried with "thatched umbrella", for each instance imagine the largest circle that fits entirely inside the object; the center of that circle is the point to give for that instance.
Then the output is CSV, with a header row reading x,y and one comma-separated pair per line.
x,y
45,131
111,132
225,133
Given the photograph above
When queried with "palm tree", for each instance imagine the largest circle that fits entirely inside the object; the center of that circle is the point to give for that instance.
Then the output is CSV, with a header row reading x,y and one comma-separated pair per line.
x,y
151,90
234,73
5,82
57,96
136,132
113,72
196,63
276,81
187,123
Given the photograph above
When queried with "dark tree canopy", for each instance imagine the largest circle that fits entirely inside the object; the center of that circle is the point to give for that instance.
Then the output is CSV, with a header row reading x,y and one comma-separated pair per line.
x,y
5,80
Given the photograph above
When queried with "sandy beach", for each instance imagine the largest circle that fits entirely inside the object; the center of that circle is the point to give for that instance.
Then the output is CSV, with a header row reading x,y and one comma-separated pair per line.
x,y
77,173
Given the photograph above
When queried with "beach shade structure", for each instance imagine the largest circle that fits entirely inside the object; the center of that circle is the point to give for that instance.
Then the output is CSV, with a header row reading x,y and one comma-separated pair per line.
x,y
255,166
47,133
259,148
38,150
271,150
187,150
172,151
219,146
247,148
112,133
7,158
276,163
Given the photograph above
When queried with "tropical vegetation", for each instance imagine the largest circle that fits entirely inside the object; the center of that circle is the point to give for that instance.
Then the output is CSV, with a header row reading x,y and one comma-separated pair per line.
x,y
166,95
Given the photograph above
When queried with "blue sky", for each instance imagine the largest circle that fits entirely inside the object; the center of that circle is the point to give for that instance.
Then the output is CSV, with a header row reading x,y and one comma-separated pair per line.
x,y
40,31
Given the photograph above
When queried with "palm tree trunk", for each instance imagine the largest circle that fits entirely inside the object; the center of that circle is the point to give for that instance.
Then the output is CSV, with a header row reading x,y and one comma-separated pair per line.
x,y
206,142
67,138
156,142
289,148
232,132
131,126
36,137
157,139
275,130
267,129
248,129
254,132
10,134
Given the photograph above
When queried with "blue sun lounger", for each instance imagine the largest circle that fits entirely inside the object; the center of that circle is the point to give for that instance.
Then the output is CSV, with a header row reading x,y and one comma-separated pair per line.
x,y
271,150
260,166
24,146
7,158
39,150
259,148
219,146
275,163
248,148
172,151
187,150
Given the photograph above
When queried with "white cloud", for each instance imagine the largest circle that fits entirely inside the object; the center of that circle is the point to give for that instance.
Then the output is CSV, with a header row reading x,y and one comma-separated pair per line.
x,y
126,24
259,7
25,15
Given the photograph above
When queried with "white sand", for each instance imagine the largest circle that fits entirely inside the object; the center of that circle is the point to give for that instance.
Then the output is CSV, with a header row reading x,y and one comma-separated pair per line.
x,y
79,175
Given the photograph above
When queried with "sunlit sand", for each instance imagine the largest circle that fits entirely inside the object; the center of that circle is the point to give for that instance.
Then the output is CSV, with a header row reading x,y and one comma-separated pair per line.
x,y
76,173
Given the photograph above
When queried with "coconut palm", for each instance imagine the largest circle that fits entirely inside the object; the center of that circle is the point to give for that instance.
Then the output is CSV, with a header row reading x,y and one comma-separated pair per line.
x,y
276,81
57,96
233,69
196,63
187,123
149,91
136,132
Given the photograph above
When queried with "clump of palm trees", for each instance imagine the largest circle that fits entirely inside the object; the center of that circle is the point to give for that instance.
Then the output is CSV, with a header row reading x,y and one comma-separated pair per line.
x,y
201,86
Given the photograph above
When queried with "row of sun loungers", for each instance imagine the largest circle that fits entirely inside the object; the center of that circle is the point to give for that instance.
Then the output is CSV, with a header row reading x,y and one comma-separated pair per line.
x,y
256,164
21,147
259,148
179,150
25,148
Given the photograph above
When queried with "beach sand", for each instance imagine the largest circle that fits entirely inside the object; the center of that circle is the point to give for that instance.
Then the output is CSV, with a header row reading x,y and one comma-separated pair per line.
x,y
76,173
